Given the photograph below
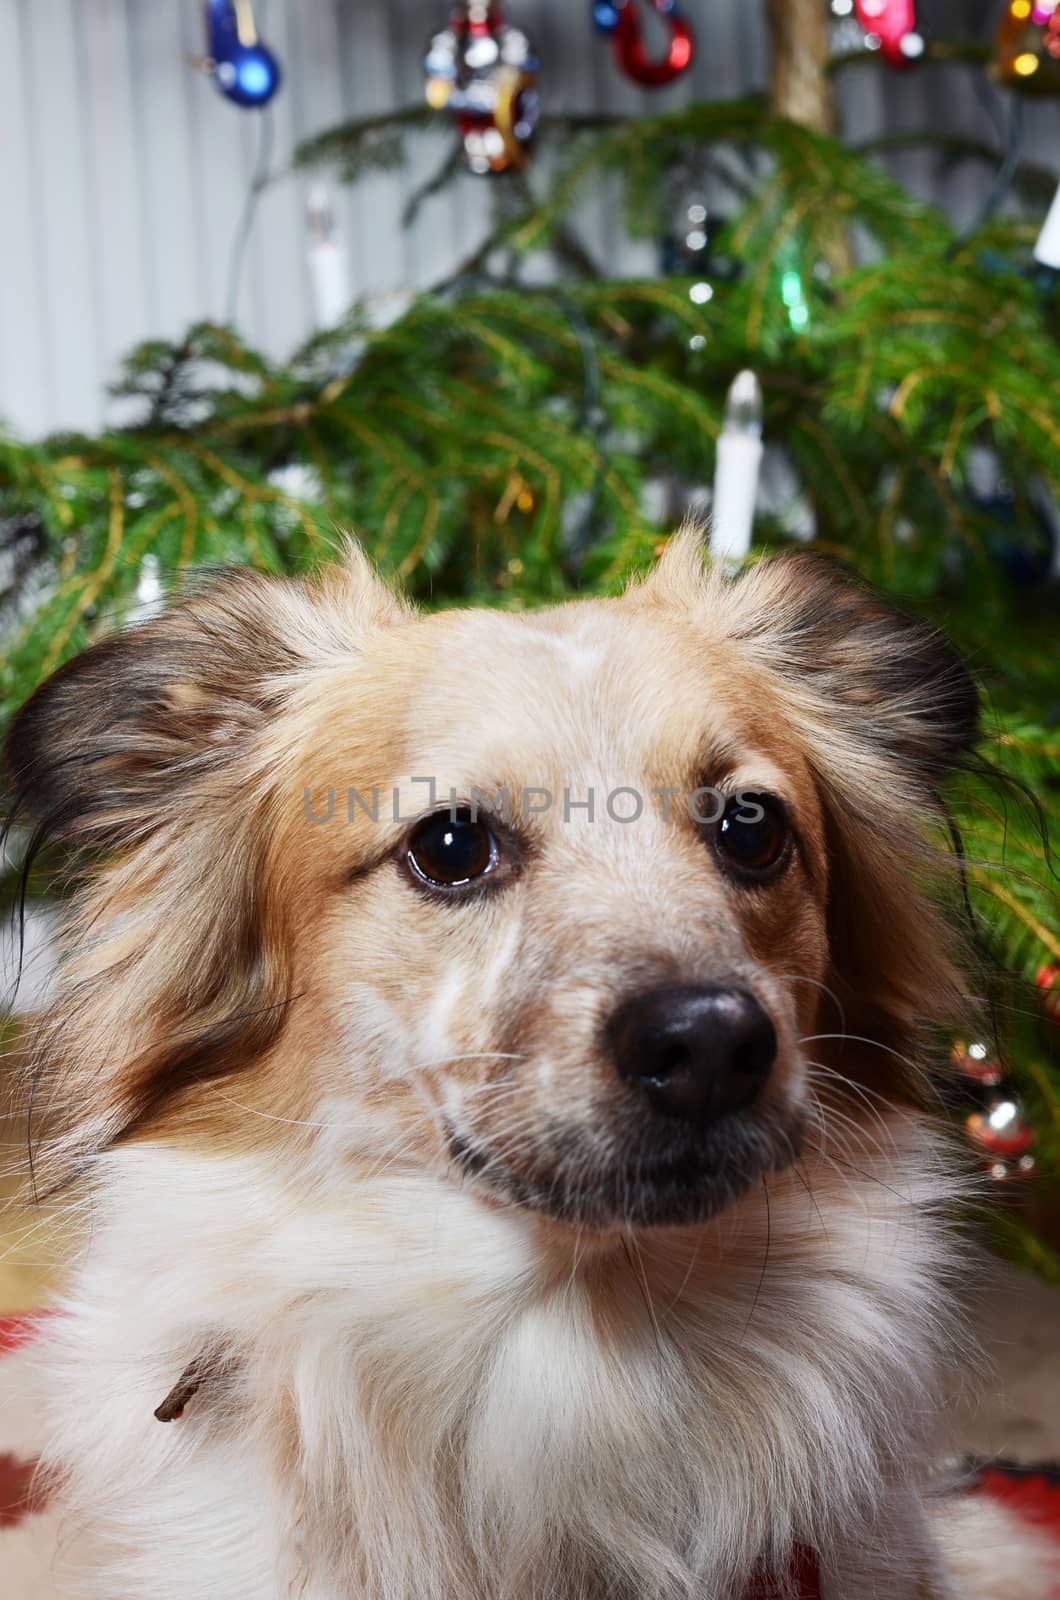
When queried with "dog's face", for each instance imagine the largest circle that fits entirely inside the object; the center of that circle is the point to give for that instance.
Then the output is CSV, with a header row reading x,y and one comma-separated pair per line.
x,y
578,975
546,903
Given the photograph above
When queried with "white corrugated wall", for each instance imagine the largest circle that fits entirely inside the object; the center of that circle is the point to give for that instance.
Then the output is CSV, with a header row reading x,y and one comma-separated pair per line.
x,y
122,172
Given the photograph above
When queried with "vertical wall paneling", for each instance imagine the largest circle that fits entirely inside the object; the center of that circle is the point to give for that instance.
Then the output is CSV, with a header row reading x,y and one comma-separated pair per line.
x,y
380,248
164,95
27,390
114,221
315,90
64,216
276,273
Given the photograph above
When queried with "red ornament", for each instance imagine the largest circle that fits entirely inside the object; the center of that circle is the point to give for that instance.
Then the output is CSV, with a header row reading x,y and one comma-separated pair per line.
x,y
975,1062
620,19
1048,981
893,23
1003,1137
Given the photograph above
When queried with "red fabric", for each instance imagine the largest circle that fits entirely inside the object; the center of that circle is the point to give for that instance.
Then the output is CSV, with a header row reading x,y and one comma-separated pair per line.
x,y
15,1480
1032,1493
15,1331
16,1477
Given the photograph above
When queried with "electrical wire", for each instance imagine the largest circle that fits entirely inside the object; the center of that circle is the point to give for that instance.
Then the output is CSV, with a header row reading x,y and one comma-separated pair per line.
x,y
258,181
591,421
999,190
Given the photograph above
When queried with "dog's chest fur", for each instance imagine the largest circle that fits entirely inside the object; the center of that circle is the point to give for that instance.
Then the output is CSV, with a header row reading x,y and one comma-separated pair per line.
x,y
418,1401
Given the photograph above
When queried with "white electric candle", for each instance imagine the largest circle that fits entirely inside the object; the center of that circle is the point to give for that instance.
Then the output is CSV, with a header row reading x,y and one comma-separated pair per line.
x,y
329,268
1047,250
739,462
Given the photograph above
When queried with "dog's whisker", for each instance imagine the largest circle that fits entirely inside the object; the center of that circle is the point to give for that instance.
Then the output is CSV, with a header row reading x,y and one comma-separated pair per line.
x,y
765,1258
636,1264
808,1187
867,1097
473,1055
816,983
859,1133
823,1070
921,1073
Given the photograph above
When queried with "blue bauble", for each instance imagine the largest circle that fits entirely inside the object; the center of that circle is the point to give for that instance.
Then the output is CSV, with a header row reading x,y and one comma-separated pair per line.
x,y
244,69
605,14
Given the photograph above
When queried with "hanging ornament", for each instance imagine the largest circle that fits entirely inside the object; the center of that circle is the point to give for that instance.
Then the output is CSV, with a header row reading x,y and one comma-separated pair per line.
x,y
1028,46
845,34
620,19
485,72
243,68
890,27
975,1062
1003,1137
1048,981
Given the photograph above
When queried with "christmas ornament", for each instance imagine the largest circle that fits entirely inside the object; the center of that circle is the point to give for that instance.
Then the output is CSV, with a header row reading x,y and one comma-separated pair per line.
x,y
619,19
1028,46
1048,981
845,34
485,72
893,24
975,1062
243,68
1003,1137
739,461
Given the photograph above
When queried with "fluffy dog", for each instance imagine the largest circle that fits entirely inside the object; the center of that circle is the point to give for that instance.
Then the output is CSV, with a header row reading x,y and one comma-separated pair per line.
x,y
495,1053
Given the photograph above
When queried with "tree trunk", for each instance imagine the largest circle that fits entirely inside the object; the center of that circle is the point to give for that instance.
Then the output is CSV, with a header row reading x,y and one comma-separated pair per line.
x,y
801,86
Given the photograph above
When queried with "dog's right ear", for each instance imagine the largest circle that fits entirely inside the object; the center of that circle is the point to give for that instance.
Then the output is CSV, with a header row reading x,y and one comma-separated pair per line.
x,y
131,726
91,752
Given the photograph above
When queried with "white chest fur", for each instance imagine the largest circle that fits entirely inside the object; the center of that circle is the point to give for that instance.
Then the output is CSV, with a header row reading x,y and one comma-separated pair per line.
x,y
428,1400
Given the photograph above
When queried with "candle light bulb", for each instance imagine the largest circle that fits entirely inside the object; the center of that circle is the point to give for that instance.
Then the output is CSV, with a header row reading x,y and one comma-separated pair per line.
x,y
1047,249
739,461
329,267
320,215
743,405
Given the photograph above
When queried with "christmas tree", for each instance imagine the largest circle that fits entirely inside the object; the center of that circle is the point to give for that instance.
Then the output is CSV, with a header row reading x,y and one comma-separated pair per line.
x,y
507,443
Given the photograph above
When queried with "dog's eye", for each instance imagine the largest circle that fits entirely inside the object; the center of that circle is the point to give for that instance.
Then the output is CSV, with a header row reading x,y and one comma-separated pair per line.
x,y
451,849
753,836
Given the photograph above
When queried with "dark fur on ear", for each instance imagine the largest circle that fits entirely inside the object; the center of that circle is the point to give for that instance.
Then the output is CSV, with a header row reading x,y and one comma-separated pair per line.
x,y
888,710
852,663
111,740
895,679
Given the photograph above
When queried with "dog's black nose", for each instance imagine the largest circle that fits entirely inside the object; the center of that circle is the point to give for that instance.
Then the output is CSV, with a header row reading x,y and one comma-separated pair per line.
x,y
697,1052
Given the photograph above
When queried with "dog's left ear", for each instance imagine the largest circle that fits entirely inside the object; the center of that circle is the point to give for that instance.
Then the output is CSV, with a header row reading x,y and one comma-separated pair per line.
x,y
885,678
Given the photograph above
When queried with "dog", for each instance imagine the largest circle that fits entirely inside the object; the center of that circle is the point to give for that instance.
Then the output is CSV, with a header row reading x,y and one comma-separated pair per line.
x,y
494,1055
